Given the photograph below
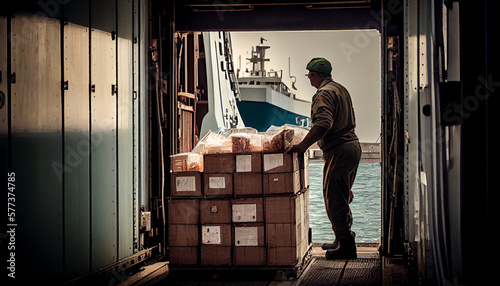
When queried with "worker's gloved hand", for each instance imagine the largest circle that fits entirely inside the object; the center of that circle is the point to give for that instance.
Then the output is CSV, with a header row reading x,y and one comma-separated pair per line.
x,y
296,149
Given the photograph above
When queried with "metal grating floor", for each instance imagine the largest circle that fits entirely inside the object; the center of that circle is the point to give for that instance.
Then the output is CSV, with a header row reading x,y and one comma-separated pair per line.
x,y
364,272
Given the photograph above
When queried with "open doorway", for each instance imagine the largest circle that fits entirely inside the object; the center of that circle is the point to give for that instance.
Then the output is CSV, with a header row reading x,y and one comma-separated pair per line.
x,y
355,57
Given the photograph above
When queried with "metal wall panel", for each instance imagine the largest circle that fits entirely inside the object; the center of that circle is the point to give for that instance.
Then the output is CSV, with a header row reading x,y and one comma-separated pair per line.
x,y
78,95
144,160
76,141
37,144
103,134
125,130
136,119
411,124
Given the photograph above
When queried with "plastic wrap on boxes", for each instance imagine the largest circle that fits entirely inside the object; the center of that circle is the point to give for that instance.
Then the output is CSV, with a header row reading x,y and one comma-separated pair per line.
x,y
213,143
187,162
245,130
278,139
246,142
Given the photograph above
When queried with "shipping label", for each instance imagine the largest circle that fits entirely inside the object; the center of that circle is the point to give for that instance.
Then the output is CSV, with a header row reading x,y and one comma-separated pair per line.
x,y
272,161
246,236
216,182
243,163
244,213
211,234
185,184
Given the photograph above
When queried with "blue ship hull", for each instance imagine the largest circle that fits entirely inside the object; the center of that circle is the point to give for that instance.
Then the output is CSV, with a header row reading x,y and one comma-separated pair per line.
x,y
261,115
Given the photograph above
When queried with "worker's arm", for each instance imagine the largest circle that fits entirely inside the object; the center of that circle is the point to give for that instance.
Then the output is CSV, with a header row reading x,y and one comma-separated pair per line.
x,y
314,135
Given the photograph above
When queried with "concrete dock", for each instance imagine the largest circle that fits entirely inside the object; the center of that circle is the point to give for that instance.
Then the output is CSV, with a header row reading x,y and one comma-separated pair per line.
x,y
370,153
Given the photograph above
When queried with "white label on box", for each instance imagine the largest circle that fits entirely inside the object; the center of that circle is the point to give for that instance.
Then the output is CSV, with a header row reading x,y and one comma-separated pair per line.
x,y
246,236
185,184
243,163
216,182
244,212
272,161
210,234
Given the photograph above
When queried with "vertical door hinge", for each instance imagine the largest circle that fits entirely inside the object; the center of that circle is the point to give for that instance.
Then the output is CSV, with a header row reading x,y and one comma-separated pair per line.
x,y
92,88
114,89
12,77
66,85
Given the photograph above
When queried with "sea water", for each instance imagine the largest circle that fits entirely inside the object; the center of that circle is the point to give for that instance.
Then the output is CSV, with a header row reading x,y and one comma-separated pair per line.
x,y
365,207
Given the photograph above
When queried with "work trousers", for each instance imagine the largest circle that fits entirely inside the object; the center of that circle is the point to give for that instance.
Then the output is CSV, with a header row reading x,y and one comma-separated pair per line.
x,y
341,164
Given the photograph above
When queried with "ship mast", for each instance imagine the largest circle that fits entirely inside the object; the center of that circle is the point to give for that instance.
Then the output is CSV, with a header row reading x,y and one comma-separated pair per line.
x,y
258,59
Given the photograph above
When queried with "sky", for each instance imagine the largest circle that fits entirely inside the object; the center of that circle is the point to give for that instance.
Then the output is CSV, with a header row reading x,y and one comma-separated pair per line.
x,y
355,58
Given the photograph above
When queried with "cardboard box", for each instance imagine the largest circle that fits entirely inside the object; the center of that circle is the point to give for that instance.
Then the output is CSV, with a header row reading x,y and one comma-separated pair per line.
x,y
248,163
284,243
219,163
305,222
247,184
215,255
249,244
280,162
304,170
215,246
183,255
185,184
281,183
283,256
183,235
287,229
283,209
218,184
186,162
250,256
183,211
247,210
215,211
283,234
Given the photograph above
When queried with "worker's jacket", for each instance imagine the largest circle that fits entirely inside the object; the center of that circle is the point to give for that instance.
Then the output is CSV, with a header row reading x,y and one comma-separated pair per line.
x,y
332,108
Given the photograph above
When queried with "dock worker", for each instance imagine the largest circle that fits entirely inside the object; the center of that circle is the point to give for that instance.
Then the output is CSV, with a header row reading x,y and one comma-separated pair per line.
x,y
333,124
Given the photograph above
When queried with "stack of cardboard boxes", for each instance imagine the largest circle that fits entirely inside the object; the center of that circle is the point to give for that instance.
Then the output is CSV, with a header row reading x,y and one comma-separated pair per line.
x,y
231,210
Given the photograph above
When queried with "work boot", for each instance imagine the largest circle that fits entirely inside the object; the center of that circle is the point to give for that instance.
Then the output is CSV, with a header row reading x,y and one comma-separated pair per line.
x,y
346,250
327,246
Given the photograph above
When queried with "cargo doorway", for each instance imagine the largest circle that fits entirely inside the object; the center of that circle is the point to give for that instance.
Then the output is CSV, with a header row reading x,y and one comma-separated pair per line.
x,y
364,21
355,57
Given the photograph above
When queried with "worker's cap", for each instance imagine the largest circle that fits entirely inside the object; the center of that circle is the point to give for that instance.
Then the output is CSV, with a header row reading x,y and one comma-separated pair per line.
x,y
320,65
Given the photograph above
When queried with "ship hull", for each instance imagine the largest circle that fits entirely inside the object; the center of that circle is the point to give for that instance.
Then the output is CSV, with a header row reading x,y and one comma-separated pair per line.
x,y
261,106
261,115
